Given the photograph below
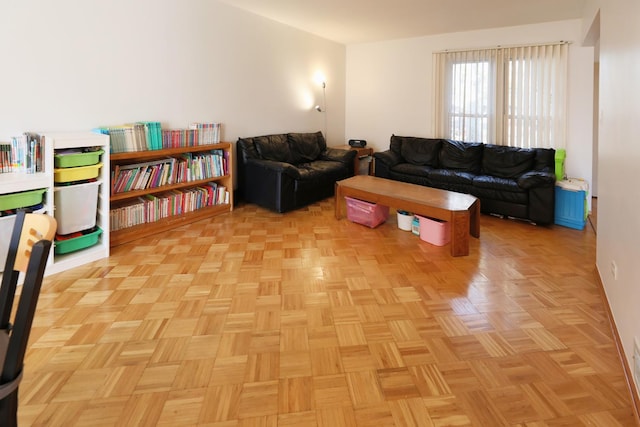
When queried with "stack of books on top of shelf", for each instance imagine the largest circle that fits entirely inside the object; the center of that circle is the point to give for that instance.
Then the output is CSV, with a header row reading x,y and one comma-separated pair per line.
x,y
208,133
197,134
176,138
23,154
143,136
139,136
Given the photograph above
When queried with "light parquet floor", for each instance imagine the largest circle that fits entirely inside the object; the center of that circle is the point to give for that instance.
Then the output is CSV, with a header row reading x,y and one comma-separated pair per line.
x,y
260,319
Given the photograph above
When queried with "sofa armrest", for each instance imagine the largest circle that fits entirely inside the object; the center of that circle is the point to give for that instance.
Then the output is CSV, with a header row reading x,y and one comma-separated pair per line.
x,y
388,157
384,161
533,179
270,184
339,155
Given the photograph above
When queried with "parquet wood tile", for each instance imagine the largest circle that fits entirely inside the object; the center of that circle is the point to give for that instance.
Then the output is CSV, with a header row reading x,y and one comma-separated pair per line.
x,y
222,403
254,318
375,415
410,412
364,388
336,417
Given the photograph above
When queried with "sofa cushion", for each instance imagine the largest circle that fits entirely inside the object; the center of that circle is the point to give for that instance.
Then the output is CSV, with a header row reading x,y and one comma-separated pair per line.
x,y
395,144
507,162
322,170
462,156
409,169
451,176
247,149
305,147
273,147
545,159
496,183
322,143
339,155
421,151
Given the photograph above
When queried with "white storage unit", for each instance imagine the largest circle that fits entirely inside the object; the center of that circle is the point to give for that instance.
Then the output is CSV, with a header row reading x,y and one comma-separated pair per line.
x,y
23,182
6,227
17,182
83,204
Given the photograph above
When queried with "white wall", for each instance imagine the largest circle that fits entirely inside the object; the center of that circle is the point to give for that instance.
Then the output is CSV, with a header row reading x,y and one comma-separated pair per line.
x,y
75,64
389,87
618,160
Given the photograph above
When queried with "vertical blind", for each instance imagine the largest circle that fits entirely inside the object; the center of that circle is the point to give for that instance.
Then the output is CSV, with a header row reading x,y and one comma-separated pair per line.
x,y
512,96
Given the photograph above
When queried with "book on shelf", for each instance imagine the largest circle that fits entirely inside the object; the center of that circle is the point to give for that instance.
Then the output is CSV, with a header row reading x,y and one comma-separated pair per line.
x,y
187,167
153,134
151,208
140,176
127,214
219,193
24,154
5,158
154,207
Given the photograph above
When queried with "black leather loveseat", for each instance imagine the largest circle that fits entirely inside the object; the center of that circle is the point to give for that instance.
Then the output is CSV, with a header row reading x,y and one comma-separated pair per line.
x,y
509,181
286,171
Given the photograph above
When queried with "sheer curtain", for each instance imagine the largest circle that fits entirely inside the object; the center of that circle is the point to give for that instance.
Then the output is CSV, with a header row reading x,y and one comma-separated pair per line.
x,y
507,95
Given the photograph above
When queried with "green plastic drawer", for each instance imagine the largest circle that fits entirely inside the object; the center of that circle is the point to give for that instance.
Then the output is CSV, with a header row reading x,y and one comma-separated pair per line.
x,y
73,159
21,200
77,243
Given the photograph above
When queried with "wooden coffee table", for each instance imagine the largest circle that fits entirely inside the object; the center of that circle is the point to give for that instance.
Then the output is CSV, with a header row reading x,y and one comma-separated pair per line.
x,y
462,211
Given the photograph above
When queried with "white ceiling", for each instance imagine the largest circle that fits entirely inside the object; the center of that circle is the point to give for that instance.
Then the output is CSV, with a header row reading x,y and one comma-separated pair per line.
x,y
357,21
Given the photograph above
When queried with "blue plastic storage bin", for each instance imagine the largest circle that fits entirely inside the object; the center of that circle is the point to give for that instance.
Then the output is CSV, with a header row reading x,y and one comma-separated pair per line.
x,y
571,203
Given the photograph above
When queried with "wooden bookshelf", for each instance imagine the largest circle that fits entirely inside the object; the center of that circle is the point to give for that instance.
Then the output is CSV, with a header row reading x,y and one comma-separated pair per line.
x,y
135,232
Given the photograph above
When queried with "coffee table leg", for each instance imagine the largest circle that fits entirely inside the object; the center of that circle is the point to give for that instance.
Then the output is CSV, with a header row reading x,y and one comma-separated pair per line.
x,y
475,219
338,201
460,233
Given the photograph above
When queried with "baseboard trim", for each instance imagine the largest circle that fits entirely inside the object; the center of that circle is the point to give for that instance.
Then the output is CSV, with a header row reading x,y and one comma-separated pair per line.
x,y
635,399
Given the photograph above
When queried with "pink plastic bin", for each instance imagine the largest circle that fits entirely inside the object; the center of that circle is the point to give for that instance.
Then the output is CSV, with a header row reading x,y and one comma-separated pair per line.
x,y
366,213
434,231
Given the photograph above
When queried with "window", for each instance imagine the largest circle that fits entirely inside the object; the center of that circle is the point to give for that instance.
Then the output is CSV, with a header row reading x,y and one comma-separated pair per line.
x,y
509,96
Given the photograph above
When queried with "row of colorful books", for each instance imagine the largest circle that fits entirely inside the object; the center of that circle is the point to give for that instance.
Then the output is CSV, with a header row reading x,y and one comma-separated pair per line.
x,y
177,138
151,208
24,154
206,133
171,170
143,136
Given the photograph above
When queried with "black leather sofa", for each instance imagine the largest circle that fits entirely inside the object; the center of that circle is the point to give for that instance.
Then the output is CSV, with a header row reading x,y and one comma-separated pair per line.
x,y
286,171
509,181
